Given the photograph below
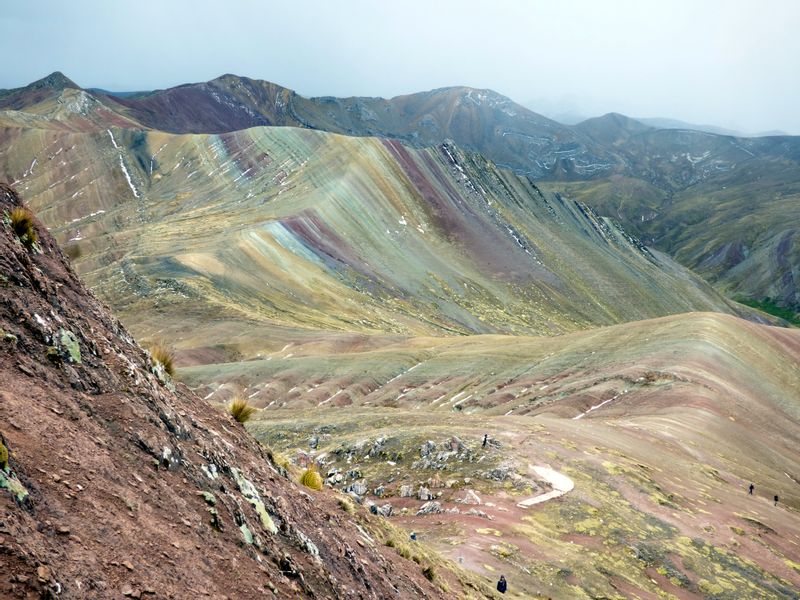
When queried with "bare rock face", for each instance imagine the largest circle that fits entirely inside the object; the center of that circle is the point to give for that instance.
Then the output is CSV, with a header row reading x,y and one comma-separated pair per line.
x,y
119,484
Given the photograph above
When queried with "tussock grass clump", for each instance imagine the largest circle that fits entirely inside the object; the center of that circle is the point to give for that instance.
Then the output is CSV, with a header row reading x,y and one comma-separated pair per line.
x,y
3,456
279,461
311,479
347,505
240,409
23,225
74,252
163,355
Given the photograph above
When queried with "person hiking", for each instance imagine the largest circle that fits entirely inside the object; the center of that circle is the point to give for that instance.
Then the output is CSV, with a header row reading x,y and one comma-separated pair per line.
x,y
776,500
752,487
502,585
485,439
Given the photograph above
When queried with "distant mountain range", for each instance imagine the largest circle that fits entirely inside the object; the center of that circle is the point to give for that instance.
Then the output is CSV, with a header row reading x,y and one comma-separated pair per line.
x,y
662,123
665,184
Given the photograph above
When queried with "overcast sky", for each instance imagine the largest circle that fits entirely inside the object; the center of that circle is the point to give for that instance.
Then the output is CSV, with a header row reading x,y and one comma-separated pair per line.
x,y
733,63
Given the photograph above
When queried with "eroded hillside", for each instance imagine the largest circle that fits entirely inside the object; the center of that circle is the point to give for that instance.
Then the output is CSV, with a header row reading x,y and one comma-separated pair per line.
x,y
296,231
617,464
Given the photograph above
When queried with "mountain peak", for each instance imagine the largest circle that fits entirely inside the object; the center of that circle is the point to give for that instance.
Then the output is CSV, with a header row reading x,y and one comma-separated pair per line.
x,y
611,126
55,80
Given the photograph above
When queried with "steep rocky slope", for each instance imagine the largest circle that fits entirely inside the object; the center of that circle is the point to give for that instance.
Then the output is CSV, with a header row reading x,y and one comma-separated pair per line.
x,y
726,207
120,483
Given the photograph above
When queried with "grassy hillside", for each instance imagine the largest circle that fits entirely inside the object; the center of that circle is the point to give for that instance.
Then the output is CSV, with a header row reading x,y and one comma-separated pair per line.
x,y
738,230
388,306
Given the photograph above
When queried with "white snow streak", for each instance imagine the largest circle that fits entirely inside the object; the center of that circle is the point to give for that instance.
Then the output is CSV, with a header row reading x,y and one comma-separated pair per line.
x,y
128,177
331,398
603,403
561,485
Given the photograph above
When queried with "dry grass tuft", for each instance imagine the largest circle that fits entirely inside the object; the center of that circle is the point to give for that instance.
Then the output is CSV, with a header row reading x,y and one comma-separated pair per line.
x,y
3,456
163,355
24,225
311,479
347,505
240,409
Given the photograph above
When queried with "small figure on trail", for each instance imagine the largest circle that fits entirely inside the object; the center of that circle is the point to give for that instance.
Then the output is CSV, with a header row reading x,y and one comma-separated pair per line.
x,y
752,487
502,586
413,536
485,439
776,500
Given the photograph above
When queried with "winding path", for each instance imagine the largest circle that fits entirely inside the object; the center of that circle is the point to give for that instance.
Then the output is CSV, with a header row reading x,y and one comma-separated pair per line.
x,y
560,482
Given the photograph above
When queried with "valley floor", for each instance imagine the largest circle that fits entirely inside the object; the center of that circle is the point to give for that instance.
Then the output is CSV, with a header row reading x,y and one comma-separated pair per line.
x,y
617,464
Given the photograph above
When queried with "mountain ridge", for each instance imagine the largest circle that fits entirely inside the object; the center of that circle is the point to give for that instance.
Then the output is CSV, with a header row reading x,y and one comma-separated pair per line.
x,y
642,173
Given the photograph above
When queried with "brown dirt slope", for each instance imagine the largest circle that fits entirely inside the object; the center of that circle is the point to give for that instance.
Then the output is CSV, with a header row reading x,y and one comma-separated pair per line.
x,y
118,486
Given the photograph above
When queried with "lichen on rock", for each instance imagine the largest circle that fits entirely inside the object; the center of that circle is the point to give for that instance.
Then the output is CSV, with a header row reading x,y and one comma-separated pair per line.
x,y
70,348
250,494
9,482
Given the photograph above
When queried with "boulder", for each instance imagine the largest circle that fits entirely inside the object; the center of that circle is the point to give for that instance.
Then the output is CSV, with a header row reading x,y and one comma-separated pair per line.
x,y
477,513
430,508
497,474
427,448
